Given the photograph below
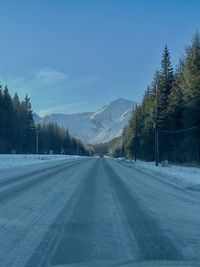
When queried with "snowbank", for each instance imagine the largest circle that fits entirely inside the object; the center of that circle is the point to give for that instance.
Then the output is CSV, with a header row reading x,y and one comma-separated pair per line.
x,y
8,161
188,177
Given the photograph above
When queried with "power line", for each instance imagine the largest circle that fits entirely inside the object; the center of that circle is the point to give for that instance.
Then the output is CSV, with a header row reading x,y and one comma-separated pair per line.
x,y
175,131
178,131
156,128
181,105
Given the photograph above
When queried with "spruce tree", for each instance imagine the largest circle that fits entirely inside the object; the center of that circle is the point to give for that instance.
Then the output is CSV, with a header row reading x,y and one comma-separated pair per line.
x,y
164,88
17,124
7,121
1,119
29,129
191,89
174,120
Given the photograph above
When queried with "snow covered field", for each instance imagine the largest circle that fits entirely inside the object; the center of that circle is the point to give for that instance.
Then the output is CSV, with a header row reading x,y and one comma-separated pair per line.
x,y
183,176
8,161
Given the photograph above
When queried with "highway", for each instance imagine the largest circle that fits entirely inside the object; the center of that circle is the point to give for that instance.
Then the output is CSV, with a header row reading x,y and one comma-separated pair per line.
x,y
84,210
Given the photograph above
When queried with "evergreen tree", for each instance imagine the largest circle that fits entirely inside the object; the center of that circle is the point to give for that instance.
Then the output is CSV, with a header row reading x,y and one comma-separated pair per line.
x,y
18,130
191,89
7,121
1,118
17,123
165,81
29,129
164,88
173,102
174,121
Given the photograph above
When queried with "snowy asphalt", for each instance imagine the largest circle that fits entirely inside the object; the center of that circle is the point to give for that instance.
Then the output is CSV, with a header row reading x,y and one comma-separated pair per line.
x,y
86,209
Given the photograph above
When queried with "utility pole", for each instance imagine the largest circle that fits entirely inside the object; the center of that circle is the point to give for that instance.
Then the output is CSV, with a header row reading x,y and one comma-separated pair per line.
x,y
156,144
77,150
156,129
136,134
37,143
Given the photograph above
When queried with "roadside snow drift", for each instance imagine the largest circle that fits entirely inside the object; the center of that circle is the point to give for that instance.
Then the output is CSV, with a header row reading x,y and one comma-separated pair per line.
x,y
8,161
188,177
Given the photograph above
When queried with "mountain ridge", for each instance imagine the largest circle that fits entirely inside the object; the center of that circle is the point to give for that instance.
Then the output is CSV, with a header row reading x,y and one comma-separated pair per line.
x,y
95,127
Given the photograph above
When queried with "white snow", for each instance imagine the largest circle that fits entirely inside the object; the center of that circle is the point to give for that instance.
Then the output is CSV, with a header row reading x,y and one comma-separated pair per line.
x,y
111,113
8,161
115,129
28,214
25,220
71,121
160,191
96,127
180,175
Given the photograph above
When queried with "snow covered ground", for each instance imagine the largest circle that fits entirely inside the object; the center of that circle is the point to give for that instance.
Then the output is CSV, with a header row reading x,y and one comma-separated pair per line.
x,y
91,209
8,161
188,177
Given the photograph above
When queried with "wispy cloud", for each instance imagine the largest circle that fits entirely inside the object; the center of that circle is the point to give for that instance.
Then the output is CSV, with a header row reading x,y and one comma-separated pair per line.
x,y
49,77
33,82
50,89
61,108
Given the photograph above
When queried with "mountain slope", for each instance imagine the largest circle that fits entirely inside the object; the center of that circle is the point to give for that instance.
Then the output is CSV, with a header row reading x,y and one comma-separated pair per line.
x,y
111,112
96,127
36,117
114,130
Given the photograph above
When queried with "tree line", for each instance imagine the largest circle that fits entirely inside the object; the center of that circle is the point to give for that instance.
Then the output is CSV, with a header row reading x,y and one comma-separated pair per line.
x,y
20,134
108,148
171,109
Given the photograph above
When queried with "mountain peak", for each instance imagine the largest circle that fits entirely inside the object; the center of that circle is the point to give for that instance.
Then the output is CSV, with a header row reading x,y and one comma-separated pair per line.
x,y
120,99
96,127
113,110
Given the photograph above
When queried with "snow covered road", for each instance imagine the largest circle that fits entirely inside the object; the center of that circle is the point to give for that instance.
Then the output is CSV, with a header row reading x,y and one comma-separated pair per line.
x,y
86,209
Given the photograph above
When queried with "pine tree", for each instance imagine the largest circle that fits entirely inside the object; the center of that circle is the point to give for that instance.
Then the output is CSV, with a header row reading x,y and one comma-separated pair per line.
x,y
191,89
174,120
165,79
164,88
7,121
1,119
17,124
18,130
173,102
29,130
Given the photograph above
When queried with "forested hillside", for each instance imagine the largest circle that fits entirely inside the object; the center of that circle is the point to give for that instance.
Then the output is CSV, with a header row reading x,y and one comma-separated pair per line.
x,y
168,113
19,133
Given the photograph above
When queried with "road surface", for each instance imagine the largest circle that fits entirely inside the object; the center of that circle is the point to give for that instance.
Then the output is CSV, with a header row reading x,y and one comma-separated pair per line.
x,y
90,209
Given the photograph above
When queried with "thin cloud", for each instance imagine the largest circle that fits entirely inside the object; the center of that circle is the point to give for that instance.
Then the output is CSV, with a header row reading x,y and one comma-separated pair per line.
x,y
60,109
50,77
49,89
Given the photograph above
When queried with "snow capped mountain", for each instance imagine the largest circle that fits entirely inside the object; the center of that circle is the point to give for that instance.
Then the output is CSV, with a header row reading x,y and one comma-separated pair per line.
x,y
111,112
96,127
78,120
36,117
79,125
115,128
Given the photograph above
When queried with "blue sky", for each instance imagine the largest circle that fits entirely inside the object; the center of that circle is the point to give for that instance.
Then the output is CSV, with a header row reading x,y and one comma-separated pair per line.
x,y
76,55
